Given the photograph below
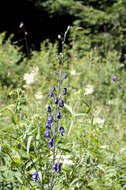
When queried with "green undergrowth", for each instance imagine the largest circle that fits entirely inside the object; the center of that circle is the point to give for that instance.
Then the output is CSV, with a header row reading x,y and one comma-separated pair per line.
x,y
93,146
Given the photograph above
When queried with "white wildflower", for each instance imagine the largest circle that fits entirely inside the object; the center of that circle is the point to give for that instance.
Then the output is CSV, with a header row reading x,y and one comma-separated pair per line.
x,y
73,72
66,160
89,89
110,102
30,77
38,96
98,120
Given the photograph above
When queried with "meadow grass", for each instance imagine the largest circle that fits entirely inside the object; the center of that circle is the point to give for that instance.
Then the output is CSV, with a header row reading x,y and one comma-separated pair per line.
x,y
93,148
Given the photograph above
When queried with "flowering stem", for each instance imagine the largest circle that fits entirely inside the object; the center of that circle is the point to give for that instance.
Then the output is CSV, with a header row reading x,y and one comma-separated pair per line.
x,y
56,123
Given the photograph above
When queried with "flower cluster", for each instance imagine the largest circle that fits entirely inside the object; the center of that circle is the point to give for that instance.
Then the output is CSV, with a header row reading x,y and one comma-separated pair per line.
x,y
53,129
53,119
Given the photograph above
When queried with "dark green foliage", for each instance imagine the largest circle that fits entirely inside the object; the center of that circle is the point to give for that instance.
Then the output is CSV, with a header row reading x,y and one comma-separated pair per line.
x,y
100,23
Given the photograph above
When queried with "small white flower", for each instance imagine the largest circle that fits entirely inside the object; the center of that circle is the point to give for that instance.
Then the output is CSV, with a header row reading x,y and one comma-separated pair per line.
x,y
110,102
98,120
89,89
30,77
73,72
38,96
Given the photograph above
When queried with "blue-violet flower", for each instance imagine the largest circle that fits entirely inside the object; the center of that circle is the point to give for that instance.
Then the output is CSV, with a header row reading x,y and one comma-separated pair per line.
x,y
65,75
35,176
50,118
58,115
50,93
47,133
61,103
56,100
50,144
48,109
48,125
53,87
64,91
61,130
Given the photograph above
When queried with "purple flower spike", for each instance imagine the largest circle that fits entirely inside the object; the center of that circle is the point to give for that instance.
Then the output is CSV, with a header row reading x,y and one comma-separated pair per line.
x,y
64,91
61,130
35,176
50,144
51,93
61,103
47,133
58,116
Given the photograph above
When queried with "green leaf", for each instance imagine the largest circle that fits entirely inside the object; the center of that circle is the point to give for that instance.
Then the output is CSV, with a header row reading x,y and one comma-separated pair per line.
x,y
29,143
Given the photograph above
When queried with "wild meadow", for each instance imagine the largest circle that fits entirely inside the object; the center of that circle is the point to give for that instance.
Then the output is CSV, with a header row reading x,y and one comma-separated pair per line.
x,y
62,117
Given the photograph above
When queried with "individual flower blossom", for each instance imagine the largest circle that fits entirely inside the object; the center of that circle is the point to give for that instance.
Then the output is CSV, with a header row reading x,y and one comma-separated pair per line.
x,y
61,130
48,125
47,133
38,96
65,76
48,109
99,121
35,176
61,103
114,78
73,72
51,93
53,87
31,77
58,116
110,102
50,144
60,81
89,90
50,118
58,168
56,100
55,167
64,91
67,160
